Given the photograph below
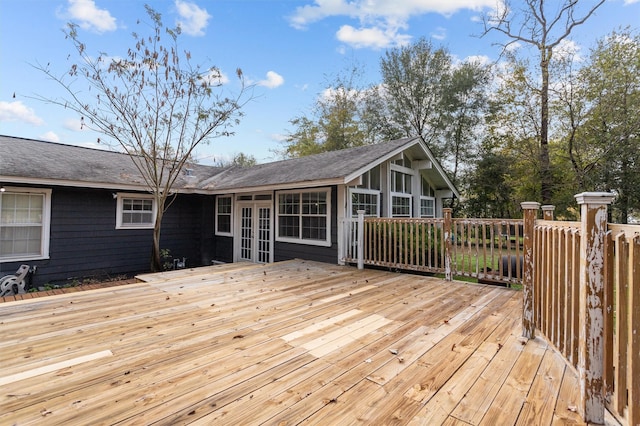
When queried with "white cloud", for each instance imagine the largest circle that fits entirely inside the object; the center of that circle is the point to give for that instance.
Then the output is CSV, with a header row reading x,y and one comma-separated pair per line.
x,y
74,124
17,111
439,33
628,2
373,37
90,17
272,81
478,59
193,20
566,49
380,20
50,136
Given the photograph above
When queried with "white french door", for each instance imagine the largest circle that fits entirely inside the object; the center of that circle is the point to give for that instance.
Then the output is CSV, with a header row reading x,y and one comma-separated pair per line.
x,y
254,240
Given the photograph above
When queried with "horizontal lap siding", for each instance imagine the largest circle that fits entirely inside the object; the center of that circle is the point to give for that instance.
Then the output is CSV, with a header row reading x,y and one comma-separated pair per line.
x,y
84,241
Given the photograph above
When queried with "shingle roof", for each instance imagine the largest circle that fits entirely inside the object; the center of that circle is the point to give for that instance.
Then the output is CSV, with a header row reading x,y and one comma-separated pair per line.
x,y
327,166
76,166
29,160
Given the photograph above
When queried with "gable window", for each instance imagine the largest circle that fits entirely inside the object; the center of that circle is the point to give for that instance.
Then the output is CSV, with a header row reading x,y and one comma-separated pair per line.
x,y
135,211
427,200
371,179
304,217
401,197
24,224
224,217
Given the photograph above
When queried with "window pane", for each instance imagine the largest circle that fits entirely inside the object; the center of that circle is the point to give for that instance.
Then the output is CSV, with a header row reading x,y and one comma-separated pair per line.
x,y
375,178
224,223
401,207
366,202
289,204
427,208
289,226
314,228
137,211
314,203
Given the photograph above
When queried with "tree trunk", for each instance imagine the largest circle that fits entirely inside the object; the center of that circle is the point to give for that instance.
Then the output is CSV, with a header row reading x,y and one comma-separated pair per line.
x,y
546,180
156,261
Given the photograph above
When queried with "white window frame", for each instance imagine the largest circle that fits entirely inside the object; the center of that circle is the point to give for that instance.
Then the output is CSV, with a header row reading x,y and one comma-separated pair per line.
x,y
45,223
366,192
121,196
432,199
327,241
231,220
408,192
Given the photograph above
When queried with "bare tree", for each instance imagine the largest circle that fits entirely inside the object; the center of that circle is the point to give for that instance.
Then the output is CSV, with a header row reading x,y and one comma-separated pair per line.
x,y
535,26
152,103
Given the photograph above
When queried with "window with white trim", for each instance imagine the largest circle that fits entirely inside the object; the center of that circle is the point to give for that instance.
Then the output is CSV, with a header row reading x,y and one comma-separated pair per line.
x,y
24,224
304,217
370,179
224,215
135,211
364,199
427,199
401,198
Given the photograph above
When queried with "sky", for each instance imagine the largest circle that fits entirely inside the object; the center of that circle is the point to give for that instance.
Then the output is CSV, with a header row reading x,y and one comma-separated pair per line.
x,y
287,49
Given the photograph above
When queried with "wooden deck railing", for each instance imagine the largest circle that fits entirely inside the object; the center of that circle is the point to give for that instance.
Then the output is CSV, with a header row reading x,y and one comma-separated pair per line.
x,y
580,281
487,249
585,300
622,322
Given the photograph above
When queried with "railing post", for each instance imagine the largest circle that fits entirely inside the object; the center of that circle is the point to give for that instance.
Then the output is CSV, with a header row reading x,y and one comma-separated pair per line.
x,y
529,215
446,233
547,211
361,239
593,213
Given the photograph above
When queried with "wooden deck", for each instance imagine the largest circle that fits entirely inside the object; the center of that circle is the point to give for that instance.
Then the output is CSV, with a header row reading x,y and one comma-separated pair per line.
x,y
279,344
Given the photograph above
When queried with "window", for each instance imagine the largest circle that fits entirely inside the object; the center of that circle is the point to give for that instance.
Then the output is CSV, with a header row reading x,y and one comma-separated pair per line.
x,y
427,199
303,217
224,216
371,179
400,206
427,207
365,200
401,189
135,211
24,224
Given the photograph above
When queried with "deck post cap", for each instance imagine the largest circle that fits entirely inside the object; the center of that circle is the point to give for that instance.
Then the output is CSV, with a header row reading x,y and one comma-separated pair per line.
x,y
530,205
599,198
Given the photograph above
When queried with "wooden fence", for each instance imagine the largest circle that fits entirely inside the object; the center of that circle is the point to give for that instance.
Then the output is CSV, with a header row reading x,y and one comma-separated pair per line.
x,y
580,282
487,249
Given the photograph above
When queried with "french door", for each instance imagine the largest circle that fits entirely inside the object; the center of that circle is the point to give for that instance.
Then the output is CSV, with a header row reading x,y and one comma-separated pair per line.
x,y
254,241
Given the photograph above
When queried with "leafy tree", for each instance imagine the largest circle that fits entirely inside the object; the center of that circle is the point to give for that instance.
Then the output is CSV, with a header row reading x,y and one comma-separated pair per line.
x,y
612,127
536,27
415,78
240,160
462,107
153,103
337,119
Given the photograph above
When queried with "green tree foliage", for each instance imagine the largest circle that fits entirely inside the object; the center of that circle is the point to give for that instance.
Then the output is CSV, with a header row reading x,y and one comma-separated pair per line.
x,y
337,121
415,79
612,126
151,102
543,25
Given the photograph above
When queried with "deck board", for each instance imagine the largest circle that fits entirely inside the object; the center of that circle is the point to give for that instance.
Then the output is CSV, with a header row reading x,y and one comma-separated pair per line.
x,y
286,343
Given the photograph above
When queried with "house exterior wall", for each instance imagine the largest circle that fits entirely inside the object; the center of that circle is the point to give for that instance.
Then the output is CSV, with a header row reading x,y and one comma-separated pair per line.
x,y
287,251
84,241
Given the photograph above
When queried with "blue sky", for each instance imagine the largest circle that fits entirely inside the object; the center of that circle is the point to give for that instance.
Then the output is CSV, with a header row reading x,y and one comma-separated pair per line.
x,y
289,49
